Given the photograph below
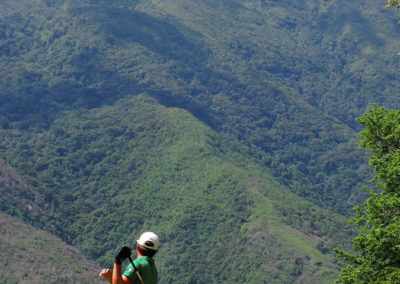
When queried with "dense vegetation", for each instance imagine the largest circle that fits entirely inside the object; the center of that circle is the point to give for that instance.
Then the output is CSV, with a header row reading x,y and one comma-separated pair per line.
x,y
29,255
279,84
377,247
262,71
111,171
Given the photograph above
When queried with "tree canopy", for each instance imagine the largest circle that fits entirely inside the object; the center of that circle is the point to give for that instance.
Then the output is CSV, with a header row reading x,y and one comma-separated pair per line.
x,y
377,247
394,3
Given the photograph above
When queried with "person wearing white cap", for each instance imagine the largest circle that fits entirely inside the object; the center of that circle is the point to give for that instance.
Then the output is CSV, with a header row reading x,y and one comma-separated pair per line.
x,y
142,270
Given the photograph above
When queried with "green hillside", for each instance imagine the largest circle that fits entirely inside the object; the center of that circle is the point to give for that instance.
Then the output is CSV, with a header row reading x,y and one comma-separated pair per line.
x,y
223,125
112,172
29,255
287,79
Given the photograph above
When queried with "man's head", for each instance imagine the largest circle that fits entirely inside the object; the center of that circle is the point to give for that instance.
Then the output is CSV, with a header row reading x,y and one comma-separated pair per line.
x,y
148,244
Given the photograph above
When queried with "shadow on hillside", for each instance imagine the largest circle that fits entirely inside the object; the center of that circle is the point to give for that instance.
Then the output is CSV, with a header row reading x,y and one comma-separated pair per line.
x,y
84,81
164,37
121,26
350,23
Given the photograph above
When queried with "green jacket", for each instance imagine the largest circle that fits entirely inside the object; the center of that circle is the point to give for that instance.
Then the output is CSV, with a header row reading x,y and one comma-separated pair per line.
x,y
147,270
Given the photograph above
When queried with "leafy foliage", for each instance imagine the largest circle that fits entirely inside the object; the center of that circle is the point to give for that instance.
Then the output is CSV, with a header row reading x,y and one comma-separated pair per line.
x,y
260,71
393,3
377,244
112,172
33,256
286,79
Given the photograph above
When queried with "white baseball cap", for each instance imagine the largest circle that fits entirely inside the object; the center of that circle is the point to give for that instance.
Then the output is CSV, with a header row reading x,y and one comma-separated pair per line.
x,y
149,240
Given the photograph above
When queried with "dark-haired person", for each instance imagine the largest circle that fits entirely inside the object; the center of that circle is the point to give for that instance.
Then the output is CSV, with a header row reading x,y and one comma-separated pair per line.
x,y
144,269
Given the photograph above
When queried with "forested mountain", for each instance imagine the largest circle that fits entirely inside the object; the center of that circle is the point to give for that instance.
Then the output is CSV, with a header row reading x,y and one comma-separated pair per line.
x,y
29,255
228,122
109,172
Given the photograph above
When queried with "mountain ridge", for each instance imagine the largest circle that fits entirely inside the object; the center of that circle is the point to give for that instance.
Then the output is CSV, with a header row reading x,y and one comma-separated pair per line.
x,y
178,178
279,84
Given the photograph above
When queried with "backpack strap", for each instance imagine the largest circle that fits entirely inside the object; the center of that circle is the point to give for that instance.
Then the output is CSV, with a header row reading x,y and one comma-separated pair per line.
x,y
136,271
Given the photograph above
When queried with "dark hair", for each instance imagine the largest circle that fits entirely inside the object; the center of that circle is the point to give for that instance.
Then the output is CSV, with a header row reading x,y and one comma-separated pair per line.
x,y
145,251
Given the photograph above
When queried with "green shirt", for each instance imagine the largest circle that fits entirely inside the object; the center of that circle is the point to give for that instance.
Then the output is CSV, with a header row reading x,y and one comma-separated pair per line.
x,y
147,270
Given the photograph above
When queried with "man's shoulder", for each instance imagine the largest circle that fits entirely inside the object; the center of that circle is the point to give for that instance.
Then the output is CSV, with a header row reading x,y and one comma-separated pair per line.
x,y
147,269
144,260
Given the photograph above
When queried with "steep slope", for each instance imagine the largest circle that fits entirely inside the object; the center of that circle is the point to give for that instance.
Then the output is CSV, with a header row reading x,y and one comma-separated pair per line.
x,y
115,171
29,255
19,198
286,78
300,72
